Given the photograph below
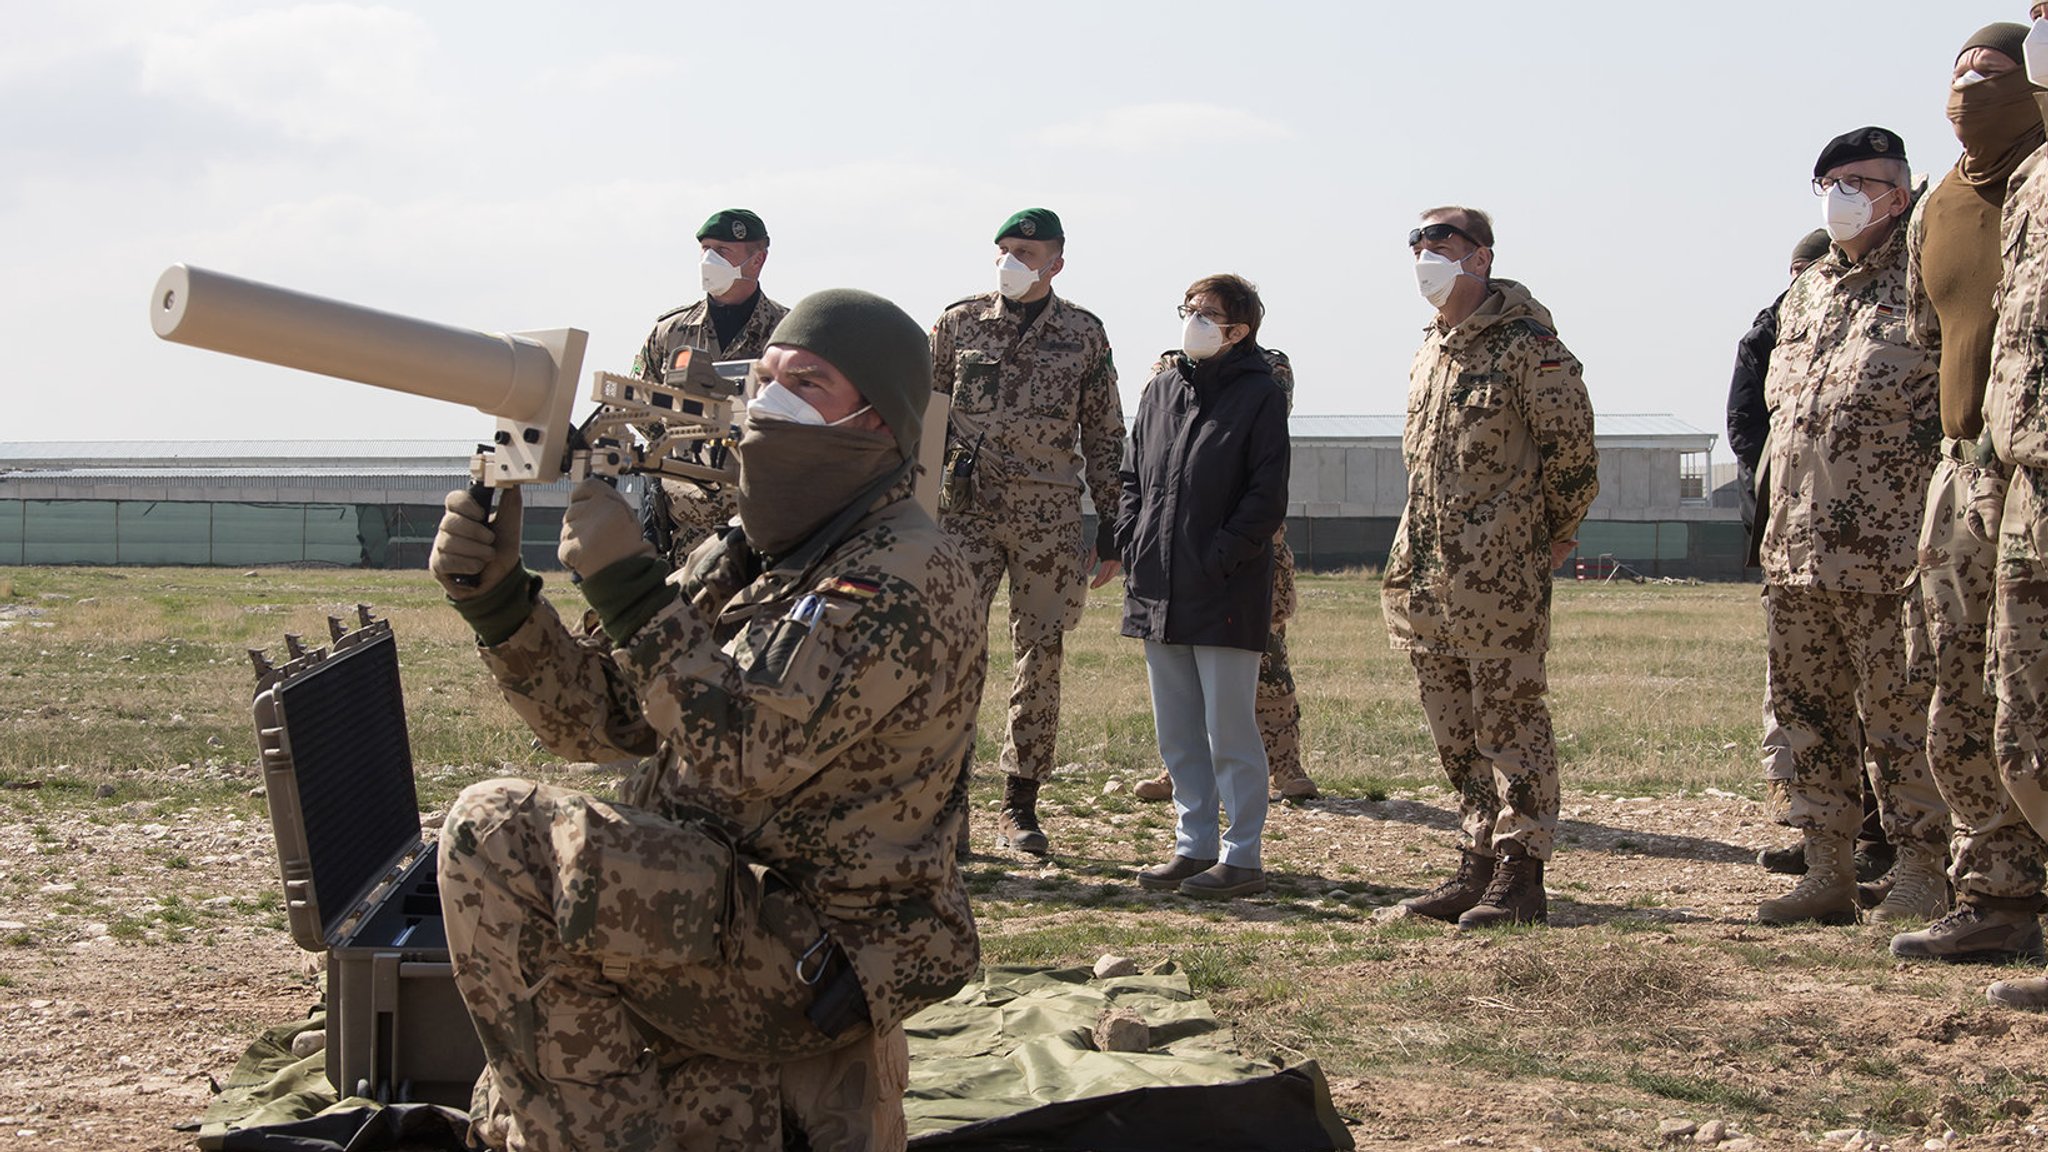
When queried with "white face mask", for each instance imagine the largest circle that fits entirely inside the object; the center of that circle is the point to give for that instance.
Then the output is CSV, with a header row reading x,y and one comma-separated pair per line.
x,y
718,275
778,403
1200,338
1846,213
1014,277
2035,49
1436,275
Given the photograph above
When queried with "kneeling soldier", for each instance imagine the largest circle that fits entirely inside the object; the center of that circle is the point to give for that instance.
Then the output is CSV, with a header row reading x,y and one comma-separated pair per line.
x,y
739,937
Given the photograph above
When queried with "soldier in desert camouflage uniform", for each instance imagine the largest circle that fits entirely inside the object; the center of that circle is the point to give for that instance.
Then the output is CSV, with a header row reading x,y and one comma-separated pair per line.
x,y
2013,494
1501,467
1279,708
1952,269
741,934
1034,406
1854,426
731,322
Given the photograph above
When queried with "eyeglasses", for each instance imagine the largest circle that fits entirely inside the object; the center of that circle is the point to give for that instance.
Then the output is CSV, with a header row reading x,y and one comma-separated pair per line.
x,y
1854,184
1438,233
1187,310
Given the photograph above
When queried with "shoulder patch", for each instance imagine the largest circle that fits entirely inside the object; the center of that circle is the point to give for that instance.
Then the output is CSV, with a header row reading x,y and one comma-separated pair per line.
x,y
850,588
1537,330
977,298
1274,357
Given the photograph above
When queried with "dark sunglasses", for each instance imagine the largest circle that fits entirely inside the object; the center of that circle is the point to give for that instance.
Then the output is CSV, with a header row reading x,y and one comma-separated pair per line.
x,y
1437,233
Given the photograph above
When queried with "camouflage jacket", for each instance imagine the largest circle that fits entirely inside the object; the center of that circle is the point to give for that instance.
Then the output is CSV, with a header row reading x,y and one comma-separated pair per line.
x,y
2016,396
690,327
1499,447
1040,402
837,770
1855,425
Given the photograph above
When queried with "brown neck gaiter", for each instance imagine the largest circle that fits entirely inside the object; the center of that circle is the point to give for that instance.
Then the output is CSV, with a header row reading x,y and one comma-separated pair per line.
x,y
795,477
1999,124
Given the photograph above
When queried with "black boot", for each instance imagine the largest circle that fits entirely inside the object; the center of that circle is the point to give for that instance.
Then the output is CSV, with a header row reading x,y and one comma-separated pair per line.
x,y
1017,824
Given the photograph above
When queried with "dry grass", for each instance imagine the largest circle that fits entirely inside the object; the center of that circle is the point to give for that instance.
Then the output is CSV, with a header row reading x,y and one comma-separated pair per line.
x,y
1650,995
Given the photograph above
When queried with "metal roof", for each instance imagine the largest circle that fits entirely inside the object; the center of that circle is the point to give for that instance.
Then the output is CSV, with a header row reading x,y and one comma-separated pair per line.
x,y
185,454
439,457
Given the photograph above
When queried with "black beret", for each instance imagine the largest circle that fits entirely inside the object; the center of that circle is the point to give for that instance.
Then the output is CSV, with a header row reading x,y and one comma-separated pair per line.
x,y
733,224
1862,144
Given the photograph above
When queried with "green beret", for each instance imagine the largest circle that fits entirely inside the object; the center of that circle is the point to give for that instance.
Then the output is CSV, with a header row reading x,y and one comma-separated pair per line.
x,y
1032,224
885,354
1861,144
733,224
2006,39
1811,246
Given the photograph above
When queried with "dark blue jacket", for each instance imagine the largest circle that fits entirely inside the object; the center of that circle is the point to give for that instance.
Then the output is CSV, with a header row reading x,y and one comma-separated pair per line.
x,y
1204,490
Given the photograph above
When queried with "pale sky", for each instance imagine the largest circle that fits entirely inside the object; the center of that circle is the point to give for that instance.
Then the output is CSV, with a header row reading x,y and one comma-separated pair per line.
x,y
520,165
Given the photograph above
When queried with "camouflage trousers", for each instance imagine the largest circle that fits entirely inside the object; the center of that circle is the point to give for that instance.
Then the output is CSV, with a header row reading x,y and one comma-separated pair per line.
x,y
1279,711
1039,549
1996,854
694,512
2019,670
1494,740
1779,774
1836,658
633,981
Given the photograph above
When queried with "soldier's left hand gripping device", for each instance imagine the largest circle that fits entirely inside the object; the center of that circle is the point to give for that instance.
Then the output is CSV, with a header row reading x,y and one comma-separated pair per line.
x,y
684,427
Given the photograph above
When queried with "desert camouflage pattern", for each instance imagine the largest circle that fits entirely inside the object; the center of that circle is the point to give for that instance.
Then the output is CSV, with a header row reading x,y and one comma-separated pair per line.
x,y
697,510
1855,427
1038,548
689,326
1835,657
1278,707
2016,397
1995,853
2019,668
1494,739
788,796
2016,418
1040,407
1499,448
1040,401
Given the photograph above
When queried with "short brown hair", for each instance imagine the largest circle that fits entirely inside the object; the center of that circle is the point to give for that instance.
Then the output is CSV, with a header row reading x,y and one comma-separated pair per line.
x,y
1239,297
1471,221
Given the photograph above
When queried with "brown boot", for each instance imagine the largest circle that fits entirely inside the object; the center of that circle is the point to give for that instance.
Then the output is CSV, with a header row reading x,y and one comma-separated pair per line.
x,y
1919,886
1825,895
1159,787
1289,782
1017,824
2028,992
1515,896
1452,898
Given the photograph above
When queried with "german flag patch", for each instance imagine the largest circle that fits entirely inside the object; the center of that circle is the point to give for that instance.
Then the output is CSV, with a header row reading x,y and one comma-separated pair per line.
x,y
851,588
1549,365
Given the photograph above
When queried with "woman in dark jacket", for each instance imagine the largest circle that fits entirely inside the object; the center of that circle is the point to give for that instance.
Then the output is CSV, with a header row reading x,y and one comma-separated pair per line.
x,y
1204,489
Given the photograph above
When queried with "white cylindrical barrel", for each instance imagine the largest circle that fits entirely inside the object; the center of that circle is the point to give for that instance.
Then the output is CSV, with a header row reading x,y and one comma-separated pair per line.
x,y
497,374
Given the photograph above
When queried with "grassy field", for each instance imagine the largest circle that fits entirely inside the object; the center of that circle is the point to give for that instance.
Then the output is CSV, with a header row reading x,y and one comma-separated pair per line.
x,y
120,675
123,708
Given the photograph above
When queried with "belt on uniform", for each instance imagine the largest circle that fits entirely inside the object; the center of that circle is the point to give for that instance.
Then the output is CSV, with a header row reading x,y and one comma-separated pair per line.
x,y
1959,450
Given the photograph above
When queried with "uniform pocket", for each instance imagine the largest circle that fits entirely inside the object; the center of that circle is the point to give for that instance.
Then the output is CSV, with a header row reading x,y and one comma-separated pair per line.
x,y
974,381
1485,431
